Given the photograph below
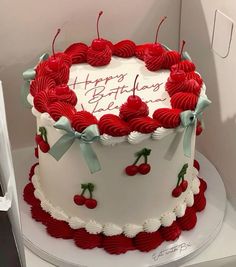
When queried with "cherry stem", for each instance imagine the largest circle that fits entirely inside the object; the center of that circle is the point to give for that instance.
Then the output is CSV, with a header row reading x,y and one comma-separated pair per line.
x,y
158,28
99,15
138,158
135,81
43,133
53,42
181,51
145,159
83,191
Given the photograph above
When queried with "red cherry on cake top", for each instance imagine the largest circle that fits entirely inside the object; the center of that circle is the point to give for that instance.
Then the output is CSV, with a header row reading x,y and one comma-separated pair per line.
x,y
134,101
62,89
53,62
99,44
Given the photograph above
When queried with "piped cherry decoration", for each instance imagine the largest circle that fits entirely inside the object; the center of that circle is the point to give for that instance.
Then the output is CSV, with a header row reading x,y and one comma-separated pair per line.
x,y
41,140
143,168
53,62
81,200
182,184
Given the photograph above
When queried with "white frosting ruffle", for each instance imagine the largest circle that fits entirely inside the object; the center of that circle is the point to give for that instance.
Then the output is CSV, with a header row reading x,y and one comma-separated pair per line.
x,y
161,132
136,137
150,225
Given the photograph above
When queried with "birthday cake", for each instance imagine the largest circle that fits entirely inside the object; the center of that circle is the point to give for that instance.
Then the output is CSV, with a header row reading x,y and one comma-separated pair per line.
x,y
116,129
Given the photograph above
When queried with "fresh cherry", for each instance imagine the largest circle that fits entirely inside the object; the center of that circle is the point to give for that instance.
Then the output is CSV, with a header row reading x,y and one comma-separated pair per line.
x,y
144,168
91,203
184,185
79,200
196,165
177,191
98,44
36,152
62,89
38,138
134,101
131,170
156,50
44,146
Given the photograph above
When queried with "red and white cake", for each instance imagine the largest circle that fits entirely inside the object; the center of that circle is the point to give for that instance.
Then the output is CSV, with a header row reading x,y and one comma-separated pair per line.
x,y
116,128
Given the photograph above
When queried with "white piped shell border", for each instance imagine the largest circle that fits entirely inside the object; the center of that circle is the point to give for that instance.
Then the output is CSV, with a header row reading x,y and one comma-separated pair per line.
x,y
150,225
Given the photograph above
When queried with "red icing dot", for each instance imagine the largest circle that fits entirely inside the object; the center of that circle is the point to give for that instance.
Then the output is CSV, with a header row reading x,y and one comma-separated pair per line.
x,y
85,240
184,101
168,118
125,48
77,52
143,124
113,125
82,119
147,241
59,109
117,244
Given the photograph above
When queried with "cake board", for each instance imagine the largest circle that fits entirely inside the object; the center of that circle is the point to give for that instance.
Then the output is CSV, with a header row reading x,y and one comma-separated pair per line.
x,y
64,253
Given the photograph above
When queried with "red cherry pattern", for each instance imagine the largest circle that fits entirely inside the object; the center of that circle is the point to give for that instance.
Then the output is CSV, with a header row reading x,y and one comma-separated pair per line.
x,y
143,168
81,200
182,184
41,140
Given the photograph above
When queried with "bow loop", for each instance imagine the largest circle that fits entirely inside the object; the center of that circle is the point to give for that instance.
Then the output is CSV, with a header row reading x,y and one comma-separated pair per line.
x,y
88,136
189,119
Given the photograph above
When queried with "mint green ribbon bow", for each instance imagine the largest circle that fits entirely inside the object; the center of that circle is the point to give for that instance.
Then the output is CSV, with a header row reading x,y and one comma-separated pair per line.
x,y
189,119
88,136
28,76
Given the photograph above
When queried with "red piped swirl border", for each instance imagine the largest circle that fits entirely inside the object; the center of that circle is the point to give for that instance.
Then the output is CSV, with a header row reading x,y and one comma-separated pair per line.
x,y
118,244
183,92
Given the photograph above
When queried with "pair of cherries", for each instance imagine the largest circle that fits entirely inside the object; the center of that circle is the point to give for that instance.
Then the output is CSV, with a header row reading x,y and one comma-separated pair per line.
x,y
81,200
41,140
143,168
182,184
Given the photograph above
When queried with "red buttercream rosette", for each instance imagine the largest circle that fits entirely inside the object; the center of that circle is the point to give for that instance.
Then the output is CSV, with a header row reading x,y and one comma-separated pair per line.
x,y
127,113
68,96
28,195
43,100
82,119
184,101
85,240
170,233
168,118
32,170
144,125
185,65
146,242
117,244
41,83
172,86
140,50
77,52
199,201
189,220
171,58
99,57
59,229
113,125
40,215
195,76
59,109
125,48
153,62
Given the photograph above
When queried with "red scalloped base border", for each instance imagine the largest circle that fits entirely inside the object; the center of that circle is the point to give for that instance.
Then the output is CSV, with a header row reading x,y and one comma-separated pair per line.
x,y
118,244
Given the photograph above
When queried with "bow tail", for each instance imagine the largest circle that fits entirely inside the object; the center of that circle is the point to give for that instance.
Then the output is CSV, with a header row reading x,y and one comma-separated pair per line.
x,y
90,157
187,139
24,94
61,146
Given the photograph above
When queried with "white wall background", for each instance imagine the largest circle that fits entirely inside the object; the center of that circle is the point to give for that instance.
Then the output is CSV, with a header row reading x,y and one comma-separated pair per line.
x,y
27,28
218,142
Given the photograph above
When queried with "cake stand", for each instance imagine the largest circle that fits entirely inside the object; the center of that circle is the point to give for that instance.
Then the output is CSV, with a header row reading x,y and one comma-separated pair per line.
x,y
64,253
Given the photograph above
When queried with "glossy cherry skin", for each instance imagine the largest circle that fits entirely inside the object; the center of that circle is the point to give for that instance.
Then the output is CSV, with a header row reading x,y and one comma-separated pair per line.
x,y
62,89
98,44
131,170
134,101
79,200
53,63
177,191
156,50
144,168
91,203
